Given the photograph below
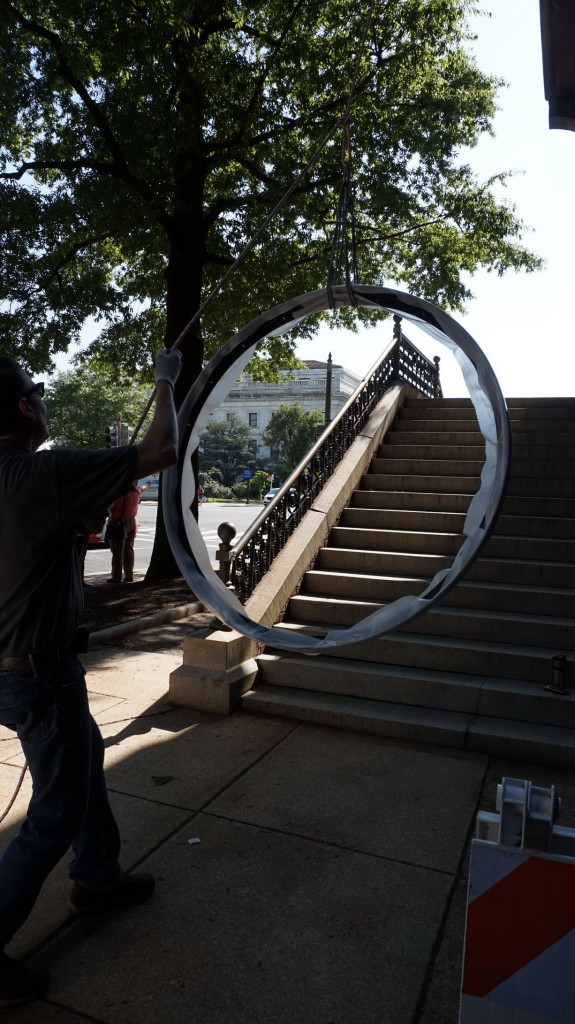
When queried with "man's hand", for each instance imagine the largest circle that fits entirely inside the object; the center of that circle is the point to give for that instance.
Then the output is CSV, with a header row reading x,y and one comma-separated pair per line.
x,y
167,365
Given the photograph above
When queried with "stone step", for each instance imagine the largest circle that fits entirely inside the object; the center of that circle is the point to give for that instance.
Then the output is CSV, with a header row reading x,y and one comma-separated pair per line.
x,y
440,468
453,522
533,403
403,435
418,410
486,570
450,654
402,519
396,540
512,403
427,467
508,547
449,691
547,508
369,497
424,449
441,621
517,487
522,741
409,482
417,413
422,420
555,601
528,548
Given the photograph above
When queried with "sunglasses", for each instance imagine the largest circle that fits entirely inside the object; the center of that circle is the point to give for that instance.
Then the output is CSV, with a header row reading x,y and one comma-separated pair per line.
x,y
36,389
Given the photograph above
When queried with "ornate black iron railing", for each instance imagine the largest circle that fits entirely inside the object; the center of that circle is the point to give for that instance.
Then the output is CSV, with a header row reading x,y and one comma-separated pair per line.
x,y
401,363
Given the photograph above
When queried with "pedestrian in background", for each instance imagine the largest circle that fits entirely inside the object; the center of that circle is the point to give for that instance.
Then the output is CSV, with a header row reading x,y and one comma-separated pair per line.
x,y
121,533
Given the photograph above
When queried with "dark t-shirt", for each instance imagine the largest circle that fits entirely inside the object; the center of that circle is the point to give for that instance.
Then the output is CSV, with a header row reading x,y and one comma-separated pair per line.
x,y
44,498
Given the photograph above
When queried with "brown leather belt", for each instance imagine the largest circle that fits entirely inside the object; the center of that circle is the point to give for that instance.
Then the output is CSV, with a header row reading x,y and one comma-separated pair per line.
x,y
37,662
14,664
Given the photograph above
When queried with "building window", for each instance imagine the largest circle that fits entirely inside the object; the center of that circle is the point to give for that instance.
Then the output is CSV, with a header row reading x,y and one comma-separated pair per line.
x,y
230,416
253,419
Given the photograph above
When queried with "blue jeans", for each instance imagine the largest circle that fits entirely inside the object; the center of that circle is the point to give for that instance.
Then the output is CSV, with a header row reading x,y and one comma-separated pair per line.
x,y
69,804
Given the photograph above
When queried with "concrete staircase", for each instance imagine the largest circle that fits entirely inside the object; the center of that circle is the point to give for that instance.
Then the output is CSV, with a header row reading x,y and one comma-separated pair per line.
x,y
470,673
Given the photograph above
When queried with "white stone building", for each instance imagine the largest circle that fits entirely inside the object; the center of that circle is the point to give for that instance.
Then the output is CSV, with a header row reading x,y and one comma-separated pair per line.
x,y
254,401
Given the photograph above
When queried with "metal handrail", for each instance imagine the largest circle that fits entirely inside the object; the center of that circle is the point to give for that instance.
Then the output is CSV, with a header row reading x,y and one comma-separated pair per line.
x,y
254,553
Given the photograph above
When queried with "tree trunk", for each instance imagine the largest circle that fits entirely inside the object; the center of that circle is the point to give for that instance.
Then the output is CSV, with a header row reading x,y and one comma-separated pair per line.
x,y
183,278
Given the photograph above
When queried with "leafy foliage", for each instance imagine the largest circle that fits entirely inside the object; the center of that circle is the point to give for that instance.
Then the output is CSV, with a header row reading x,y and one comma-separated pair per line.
x,y
143,143
81,404
226,446
254,488
211,481
292,429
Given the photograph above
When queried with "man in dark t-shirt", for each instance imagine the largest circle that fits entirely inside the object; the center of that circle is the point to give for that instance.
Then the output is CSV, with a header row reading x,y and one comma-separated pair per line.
x,y
45,496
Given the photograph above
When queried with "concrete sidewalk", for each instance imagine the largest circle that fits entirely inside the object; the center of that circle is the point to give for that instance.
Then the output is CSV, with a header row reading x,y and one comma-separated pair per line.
x,y
304,875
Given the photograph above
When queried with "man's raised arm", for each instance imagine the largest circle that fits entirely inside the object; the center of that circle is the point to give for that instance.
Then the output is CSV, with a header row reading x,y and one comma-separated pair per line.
x,y
159,448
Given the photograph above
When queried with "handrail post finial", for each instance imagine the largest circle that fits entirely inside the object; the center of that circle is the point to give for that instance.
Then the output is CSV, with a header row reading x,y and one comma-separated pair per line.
x,y
226,533
437,389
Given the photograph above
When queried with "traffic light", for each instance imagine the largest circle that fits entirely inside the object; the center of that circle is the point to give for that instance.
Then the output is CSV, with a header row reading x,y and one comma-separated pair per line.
x,y
111,437
125,433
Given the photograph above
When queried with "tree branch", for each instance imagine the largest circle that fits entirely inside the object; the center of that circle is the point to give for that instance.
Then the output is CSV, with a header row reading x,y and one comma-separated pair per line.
x,y
60,165
69,256
260,81
65,71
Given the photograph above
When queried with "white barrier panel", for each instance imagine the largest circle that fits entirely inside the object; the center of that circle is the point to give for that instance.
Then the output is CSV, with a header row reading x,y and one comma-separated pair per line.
x,y
519,962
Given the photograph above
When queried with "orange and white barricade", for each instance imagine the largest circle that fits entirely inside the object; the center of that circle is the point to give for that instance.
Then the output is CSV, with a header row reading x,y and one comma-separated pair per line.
x,y
519,961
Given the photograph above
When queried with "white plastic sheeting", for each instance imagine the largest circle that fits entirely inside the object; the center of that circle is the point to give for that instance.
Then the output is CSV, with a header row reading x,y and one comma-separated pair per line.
x,y
217,379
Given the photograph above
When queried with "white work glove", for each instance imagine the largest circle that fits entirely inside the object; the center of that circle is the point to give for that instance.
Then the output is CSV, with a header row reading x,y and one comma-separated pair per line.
x,y
167,365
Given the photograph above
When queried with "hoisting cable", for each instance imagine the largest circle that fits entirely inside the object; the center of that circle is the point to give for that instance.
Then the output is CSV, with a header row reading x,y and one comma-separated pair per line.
x,y
343,257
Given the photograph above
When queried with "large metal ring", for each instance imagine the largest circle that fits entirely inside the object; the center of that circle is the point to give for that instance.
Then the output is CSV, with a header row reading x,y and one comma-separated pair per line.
x,y
215,382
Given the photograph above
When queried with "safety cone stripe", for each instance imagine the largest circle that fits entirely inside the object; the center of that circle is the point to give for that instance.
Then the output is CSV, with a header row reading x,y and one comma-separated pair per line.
x,y
494,863
516,920
485,1011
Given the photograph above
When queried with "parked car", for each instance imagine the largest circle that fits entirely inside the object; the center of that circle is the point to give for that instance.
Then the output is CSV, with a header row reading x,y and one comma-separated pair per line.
x,y
273,491
152,492
96,540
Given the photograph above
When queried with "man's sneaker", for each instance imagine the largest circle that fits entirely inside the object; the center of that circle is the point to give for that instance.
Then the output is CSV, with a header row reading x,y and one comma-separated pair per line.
x,y
130,889
21,983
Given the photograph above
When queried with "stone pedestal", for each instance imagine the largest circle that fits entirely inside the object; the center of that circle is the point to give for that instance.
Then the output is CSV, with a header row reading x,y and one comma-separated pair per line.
x,y
217,669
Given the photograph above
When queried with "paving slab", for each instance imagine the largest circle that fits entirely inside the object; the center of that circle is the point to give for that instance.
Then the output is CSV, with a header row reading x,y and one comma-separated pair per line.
x,y
129,673
129,710
9,744
9,778
143,825
255,927
393,799
185,758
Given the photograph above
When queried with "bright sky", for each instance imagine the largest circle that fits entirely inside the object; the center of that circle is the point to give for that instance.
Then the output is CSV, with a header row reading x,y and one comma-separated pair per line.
x,y
523,322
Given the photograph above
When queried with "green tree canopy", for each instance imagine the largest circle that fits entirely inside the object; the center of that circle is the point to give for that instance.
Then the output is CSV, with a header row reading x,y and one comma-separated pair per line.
x,y
292,429
141,143
81,405
228,446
